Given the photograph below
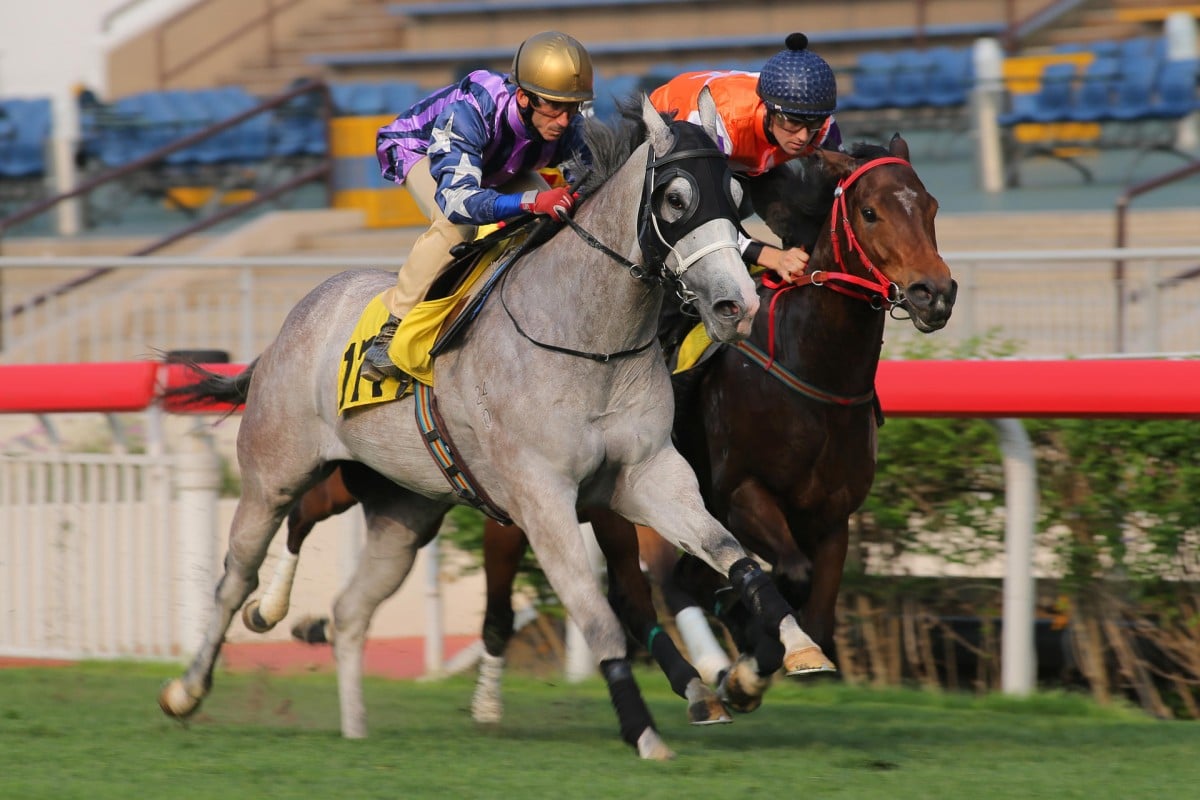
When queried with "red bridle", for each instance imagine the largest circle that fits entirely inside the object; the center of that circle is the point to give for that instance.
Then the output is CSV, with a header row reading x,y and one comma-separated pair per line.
x,y
876,289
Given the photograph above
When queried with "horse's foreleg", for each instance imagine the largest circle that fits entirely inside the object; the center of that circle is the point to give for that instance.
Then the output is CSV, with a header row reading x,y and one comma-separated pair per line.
x,y
550,523
394,534
819,611
663,493
254,523
503,548
629,595
705,651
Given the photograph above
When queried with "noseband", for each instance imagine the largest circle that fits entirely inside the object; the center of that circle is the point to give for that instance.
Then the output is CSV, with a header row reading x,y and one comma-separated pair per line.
x,y
878,290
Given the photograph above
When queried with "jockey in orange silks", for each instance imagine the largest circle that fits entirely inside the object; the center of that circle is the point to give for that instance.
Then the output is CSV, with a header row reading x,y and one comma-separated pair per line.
x,y
766,118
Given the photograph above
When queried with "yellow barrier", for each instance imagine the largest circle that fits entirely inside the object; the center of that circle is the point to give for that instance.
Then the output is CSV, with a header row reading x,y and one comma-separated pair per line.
x,y
1154,13
1023,74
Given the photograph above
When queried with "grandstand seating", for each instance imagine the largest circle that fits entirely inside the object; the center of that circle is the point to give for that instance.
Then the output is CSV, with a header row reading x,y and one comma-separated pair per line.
x,y
25,129
1100,94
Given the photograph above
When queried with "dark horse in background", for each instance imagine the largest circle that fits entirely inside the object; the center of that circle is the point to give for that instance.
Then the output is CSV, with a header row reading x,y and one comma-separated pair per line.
x,y
780,430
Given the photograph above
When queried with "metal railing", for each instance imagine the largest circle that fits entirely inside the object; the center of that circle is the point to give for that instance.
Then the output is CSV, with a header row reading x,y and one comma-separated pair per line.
x,y
1047,303
323,171
1121,212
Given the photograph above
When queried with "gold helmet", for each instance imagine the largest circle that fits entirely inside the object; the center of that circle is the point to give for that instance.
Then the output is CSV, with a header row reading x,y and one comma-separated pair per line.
x,y
554,66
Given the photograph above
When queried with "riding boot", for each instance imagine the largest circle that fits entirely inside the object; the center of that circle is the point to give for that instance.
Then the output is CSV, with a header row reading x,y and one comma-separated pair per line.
x,y
377,365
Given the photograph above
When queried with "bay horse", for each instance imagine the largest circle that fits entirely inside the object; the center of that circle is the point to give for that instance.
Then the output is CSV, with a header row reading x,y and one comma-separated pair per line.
x,y
781,428
570,337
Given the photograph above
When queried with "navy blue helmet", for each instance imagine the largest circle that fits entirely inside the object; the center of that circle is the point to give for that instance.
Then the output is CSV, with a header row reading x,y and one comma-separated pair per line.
x,y
797,82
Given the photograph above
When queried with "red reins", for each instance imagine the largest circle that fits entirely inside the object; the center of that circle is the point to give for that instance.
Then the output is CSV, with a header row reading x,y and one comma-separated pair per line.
x,y
880,288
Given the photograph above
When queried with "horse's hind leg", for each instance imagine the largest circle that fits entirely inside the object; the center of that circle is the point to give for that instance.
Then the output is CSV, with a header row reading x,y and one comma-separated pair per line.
x,y
327,498
629,595
396,529
255,521
503,548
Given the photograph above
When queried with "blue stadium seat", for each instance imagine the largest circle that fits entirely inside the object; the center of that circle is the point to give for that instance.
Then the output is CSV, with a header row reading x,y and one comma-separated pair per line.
x,y
1133,89
1097,90
399,96
22,149
910,84
610,90
950,77
1175,90
872,88
1050,103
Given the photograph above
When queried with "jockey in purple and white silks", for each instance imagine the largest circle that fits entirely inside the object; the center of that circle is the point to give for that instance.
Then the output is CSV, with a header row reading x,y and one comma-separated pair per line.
x,y
469,154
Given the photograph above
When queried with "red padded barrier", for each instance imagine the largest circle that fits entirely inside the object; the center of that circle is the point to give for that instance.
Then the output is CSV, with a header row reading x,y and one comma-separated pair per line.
x,y
97,387
1139,389
1131,388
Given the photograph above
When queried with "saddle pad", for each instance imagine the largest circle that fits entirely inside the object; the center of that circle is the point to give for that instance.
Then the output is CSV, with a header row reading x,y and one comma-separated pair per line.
x,y
354,391
409,349
694,349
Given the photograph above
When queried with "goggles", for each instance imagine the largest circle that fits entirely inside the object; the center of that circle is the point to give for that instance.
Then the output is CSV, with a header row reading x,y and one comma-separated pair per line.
x,y
553,108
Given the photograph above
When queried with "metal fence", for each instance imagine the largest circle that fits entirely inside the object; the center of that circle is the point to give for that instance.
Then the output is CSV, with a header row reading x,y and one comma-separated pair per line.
x,y
1047,303
88,565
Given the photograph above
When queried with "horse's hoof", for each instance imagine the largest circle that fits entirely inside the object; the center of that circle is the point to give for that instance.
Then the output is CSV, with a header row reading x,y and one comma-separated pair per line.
x,y
806,661
709,711
734,696
487,710
313,630
253,619
651,747
175,700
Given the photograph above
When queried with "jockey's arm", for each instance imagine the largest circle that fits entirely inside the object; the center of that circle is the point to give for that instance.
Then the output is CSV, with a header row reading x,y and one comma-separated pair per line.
x,y
787,264
456,164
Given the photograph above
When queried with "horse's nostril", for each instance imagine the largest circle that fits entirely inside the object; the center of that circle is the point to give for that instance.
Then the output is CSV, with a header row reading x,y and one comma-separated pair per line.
x,y
919,294
727,308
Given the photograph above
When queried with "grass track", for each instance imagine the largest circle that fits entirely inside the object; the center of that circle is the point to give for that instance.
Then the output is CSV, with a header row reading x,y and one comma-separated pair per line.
x,y
94,731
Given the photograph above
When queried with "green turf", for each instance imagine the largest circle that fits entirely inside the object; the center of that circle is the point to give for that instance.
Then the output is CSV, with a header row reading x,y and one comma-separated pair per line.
x,y
95,731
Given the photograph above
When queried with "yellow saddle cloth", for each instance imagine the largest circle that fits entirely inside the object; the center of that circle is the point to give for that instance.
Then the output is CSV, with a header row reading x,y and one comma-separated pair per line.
x,y
409,349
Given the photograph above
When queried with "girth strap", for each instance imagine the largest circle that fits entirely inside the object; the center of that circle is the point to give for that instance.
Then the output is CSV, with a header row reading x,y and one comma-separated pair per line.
x,y
431,424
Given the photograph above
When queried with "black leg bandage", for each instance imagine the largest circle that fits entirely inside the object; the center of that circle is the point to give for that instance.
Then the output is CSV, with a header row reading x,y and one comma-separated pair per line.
x,y
678,671
755,589
626,699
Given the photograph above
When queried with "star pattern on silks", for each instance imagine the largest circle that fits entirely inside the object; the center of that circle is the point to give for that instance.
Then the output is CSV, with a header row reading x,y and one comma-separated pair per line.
x,y
442,137
454,196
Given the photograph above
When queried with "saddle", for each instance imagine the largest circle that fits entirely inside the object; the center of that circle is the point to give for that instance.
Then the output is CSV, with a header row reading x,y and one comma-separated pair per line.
x,y
436,323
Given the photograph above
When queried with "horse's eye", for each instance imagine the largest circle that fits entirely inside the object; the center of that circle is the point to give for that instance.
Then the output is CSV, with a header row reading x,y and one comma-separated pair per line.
x,y
868,214
675,200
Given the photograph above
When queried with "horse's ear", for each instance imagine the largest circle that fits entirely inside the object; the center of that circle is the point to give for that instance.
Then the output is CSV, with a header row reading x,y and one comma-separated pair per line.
x,y
709,116
898,147
657,131
835,164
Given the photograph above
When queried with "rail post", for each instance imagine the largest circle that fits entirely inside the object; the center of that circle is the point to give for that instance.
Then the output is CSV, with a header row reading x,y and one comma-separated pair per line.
x,y
197,487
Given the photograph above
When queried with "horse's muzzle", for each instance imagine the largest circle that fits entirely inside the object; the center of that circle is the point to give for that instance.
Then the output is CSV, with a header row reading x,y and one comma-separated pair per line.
x,y
930,305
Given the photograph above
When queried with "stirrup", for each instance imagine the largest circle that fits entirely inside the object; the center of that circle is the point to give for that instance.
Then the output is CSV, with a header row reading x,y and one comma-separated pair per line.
x,y
377,364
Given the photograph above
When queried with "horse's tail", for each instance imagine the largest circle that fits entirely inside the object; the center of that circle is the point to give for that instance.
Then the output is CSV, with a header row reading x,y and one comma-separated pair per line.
x,y
212,387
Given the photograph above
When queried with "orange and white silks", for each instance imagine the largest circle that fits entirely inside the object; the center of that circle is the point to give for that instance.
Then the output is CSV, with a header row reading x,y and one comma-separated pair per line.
x,y
742,133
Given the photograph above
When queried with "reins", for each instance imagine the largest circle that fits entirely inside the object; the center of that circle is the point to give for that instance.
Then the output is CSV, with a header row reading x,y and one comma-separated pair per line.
x,y
879,291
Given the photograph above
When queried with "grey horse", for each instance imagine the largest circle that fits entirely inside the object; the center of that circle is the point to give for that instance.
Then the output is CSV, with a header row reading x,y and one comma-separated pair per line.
x,y
556,397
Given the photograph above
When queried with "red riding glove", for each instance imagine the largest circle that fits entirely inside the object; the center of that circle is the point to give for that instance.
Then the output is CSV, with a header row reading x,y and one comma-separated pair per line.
x,y
554,202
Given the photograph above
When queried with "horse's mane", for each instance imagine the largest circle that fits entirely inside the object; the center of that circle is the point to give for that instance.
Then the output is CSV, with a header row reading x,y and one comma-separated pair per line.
x,y
611,143
795,198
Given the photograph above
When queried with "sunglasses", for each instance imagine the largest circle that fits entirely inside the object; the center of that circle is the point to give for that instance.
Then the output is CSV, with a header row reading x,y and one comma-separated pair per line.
x,y
796,124
553,108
